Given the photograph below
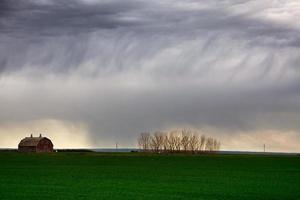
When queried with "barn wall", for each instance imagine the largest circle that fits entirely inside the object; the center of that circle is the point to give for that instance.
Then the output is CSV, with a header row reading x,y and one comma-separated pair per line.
x,y
44,145
27,149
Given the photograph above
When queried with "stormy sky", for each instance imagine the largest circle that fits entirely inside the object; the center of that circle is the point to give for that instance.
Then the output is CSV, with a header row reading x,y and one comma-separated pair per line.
x,y
90,73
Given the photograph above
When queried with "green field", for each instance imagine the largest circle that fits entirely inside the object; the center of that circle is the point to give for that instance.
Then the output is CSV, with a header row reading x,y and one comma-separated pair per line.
x,y
137,176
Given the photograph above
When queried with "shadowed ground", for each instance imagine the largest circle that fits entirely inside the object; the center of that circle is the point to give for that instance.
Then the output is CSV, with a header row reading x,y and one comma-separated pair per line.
x,y
138,176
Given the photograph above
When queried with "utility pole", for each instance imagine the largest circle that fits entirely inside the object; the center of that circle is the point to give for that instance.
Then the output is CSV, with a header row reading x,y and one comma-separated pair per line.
x,y
116,145
264,148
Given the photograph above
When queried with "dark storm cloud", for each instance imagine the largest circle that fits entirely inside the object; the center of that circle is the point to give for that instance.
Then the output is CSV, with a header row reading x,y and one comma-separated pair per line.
x,y
61,17
54,35
26,23
123,67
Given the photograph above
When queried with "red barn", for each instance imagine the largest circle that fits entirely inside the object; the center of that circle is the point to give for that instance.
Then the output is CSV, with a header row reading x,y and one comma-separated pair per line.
x,y
35,144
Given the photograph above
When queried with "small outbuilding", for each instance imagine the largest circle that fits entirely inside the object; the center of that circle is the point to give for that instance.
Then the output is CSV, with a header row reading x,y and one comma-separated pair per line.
x,y
36,144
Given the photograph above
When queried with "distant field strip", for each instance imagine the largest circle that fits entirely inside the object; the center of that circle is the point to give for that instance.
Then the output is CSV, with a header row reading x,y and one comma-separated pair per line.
x,y
142,176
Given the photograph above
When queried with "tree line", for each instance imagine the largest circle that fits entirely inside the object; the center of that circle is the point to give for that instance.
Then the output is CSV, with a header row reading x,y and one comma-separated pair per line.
x,y
177,141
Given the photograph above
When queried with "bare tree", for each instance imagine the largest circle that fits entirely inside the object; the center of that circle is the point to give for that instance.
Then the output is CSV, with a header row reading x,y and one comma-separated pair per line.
x,y
176,141
194,142
166,145
157,141
185,139
170,141
202,143
144,141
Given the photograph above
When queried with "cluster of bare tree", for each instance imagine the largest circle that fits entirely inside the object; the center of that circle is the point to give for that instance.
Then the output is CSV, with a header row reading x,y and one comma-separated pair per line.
x,y
177,141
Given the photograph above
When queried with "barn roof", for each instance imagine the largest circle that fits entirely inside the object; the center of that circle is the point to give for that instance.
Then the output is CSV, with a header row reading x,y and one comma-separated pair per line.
x,y
31,141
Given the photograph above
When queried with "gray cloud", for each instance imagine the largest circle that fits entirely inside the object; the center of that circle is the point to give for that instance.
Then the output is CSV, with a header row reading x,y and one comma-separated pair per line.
x,y
122,67
62,17
39,29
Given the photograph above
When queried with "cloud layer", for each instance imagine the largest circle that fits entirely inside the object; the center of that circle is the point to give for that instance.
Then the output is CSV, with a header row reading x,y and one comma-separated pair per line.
x,y
122,67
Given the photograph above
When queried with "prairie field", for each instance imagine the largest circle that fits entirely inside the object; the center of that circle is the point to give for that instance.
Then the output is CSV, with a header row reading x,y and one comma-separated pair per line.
x,y
146,176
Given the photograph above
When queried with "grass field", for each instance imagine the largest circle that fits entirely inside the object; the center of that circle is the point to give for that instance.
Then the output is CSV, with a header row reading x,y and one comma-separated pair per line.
x,y
137,176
